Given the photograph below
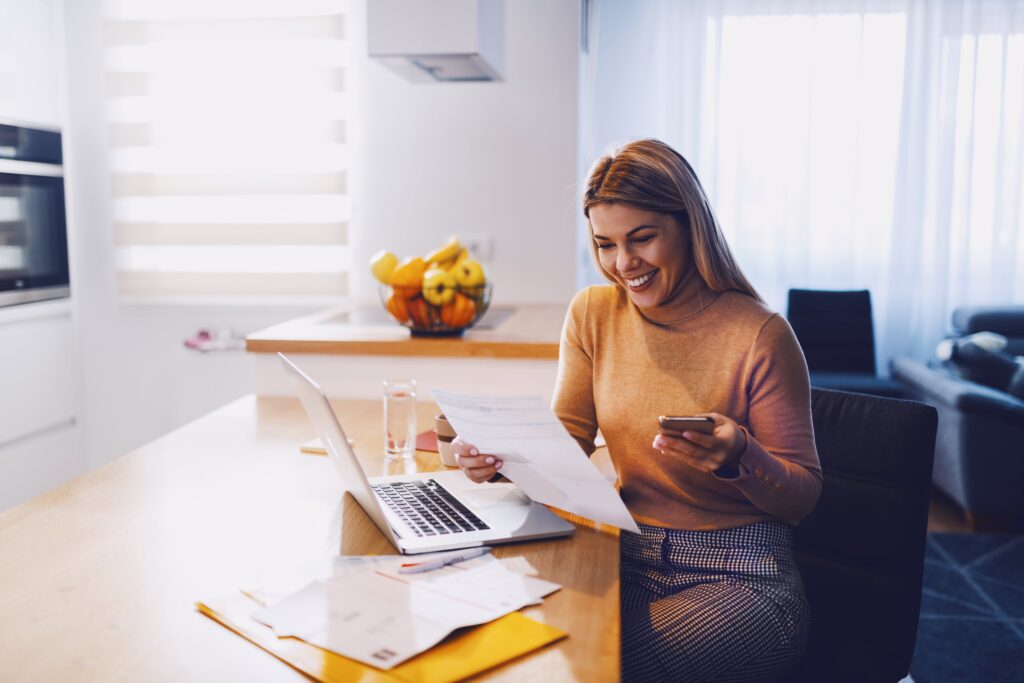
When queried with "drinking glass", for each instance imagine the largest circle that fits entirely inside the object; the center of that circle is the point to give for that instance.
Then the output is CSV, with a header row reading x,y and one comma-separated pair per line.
x,y
399,419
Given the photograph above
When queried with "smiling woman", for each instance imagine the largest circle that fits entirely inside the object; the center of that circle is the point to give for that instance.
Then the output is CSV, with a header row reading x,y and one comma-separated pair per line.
x,y
710,590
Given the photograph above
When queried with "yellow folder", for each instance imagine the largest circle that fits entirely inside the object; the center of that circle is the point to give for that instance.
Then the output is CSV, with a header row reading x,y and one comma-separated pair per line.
x,y
457,657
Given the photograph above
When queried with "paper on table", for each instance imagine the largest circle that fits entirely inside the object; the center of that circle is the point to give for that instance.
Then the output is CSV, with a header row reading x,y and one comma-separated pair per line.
x,y
278,583
537,453
482,579
383,618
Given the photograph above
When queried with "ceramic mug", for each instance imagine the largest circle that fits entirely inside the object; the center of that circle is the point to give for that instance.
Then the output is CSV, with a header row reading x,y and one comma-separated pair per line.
x,y
445,435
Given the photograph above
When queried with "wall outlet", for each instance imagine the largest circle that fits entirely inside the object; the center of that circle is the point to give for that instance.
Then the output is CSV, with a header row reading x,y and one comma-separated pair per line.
x,y
481,247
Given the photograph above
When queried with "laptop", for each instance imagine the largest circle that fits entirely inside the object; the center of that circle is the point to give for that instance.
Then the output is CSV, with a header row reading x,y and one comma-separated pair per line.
x,y
429,511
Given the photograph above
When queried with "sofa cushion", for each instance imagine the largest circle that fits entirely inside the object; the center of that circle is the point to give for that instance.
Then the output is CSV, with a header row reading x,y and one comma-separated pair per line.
x,y
935,383
976,363
1005,320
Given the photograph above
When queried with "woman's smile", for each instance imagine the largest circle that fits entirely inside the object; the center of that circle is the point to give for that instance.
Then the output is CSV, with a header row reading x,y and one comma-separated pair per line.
x,y
641,282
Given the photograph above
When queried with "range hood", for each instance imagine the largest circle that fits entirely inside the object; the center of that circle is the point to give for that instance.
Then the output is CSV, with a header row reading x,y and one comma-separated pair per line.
x,y
439,40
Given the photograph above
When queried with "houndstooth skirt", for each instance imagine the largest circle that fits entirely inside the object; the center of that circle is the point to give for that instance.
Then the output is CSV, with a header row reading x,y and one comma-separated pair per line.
x,y
722,605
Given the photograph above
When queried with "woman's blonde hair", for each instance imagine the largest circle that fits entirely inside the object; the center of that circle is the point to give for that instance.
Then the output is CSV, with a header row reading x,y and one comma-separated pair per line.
x,y
648,174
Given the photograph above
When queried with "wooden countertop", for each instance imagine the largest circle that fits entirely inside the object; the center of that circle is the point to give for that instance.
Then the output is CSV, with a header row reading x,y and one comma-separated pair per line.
x,y
525,331
99,576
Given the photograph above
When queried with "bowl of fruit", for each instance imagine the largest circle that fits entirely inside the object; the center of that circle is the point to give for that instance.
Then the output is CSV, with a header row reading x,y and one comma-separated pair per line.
x,y
441,294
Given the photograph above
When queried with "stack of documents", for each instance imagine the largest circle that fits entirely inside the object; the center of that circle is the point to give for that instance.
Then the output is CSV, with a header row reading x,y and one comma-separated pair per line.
x,y
537,453
371,613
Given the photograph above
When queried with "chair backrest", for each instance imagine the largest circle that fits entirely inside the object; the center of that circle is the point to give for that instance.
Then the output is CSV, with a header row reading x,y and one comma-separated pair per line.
x,y
861,552
834,328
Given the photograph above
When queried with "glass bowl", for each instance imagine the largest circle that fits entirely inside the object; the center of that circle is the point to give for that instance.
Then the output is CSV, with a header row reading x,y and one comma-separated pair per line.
x,y
434,312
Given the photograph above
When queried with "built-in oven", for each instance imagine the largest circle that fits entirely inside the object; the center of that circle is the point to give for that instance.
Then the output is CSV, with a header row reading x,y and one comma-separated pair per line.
x,y
33,229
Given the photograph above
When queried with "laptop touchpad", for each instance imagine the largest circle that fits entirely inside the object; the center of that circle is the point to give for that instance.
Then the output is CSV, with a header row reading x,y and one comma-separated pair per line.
x,y
497,497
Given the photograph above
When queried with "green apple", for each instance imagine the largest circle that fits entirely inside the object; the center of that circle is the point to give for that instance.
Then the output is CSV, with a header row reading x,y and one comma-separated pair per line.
x,y
438,286
469,273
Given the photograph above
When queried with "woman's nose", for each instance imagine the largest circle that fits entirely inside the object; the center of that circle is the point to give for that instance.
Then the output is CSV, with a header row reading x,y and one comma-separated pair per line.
x,y
625,261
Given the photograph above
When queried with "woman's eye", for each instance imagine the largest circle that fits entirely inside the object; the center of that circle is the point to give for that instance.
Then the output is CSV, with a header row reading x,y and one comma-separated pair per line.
x,y
604,245
641,240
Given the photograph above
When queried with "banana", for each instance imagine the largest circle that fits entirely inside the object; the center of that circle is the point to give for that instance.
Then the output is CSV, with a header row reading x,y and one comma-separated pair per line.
x,y
454,262
444,253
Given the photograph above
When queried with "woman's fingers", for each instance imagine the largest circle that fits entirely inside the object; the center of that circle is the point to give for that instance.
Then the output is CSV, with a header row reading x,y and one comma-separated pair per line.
x,y
704,440
476,461
694,454
706,452
482,473
479,467
679,443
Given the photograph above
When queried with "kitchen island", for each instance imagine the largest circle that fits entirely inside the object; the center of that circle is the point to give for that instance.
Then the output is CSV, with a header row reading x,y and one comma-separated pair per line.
x,y
350,351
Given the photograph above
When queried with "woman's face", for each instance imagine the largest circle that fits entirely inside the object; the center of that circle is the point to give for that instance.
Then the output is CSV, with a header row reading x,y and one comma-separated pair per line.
x,y
644,251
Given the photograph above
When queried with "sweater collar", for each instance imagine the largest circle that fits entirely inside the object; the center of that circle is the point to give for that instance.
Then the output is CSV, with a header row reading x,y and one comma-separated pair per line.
x,y
689,297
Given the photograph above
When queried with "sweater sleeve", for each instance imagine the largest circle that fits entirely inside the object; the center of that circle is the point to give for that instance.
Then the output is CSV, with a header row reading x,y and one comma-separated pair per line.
x,y
573,400
779,471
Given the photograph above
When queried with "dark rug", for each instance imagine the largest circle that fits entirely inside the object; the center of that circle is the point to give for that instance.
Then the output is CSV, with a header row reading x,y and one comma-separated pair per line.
x,y
972,610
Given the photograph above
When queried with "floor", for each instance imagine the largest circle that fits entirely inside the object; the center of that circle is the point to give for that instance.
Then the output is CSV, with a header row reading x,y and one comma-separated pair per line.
x,y
972,609
946,517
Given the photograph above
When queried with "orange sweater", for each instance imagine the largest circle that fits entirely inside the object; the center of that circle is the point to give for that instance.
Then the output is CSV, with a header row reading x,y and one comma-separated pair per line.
x,y
619,369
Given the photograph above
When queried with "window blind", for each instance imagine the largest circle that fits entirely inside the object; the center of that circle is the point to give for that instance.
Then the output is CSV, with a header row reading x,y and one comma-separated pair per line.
x,y
228,131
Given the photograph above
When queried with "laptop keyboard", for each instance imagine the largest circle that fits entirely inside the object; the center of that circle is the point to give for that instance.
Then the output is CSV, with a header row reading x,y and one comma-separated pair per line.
x,y
428,508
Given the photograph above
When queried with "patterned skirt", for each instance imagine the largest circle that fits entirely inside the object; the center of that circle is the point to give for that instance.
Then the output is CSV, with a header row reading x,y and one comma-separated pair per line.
x,y
711,605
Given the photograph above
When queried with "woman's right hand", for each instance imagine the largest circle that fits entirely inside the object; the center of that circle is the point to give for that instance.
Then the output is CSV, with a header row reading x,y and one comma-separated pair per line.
x,y
476,466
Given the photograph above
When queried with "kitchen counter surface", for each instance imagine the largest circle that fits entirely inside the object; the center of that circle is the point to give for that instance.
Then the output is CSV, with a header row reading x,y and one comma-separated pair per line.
x,y
101,574
524,331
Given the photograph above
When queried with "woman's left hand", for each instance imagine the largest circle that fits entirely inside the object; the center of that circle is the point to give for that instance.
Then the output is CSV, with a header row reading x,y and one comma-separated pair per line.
x,y
705,452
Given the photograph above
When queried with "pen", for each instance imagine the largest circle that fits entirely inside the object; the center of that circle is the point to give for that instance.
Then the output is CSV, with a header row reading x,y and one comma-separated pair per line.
x,y
417,567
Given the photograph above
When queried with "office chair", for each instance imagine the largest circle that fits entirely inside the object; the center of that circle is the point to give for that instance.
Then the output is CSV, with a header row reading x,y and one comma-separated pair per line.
x,y
861,552
836,332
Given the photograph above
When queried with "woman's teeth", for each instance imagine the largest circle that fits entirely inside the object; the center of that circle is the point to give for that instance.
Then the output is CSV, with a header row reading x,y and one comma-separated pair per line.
x,y
641,280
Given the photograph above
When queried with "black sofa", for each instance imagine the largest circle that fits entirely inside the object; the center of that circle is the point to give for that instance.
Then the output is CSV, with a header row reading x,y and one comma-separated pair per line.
x,y
979,451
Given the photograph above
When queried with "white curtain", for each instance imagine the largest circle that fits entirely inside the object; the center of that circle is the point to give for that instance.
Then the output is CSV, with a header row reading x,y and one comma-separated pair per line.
x,y
845,144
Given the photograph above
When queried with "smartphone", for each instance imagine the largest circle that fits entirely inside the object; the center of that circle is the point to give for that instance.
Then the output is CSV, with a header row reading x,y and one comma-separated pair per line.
x,y
676,423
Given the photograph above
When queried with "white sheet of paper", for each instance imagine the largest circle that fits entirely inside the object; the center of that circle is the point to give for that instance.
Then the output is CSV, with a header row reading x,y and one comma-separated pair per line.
x,y
484,580
537,453
369,612
278,583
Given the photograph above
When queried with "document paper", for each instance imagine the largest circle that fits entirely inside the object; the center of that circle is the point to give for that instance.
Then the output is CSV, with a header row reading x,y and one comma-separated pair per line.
x,y
383,618
537,453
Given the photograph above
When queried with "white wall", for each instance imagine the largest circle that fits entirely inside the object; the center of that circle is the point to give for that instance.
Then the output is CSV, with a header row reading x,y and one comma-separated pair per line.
x,y
489,158
429,160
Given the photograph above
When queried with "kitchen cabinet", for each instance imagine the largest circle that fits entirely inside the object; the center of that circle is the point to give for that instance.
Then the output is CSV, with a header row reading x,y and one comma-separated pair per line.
x,y
31,54
39,400
40,437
